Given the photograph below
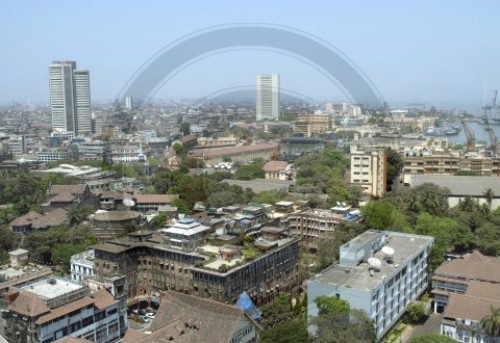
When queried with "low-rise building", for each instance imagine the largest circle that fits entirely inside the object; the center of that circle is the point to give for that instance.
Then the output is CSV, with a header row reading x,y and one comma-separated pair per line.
x,y
279,170
48,309
82,266
311,124
455,276
379,273
464,312
186,318
148,202
67,196
243,154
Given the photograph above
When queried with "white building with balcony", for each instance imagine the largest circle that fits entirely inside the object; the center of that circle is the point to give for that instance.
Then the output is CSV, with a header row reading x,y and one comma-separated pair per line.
x,y
379,273
82,266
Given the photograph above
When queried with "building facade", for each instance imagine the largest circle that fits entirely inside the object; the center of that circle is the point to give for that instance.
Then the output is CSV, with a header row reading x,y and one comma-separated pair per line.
x,y
70,98
312,124
396,276
151,263
51,308
268,97
82,266
369,170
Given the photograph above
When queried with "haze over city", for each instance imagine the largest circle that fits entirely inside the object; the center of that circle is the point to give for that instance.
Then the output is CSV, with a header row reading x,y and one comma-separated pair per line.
x,y
441,54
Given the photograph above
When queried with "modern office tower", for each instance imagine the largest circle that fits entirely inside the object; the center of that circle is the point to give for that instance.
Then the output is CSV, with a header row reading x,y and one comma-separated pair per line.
x,y
70,98
268,97
82,102
128,102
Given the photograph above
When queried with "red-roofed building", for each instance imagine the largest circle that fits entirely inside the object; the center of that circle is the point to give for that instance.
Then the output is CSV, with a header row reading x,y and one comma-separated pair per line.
x,y
50,309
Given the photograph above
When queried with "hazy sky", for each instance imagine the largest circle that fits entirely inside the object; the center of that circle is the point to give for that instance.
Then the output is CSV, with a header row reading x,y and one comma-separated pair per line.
x,y
438,52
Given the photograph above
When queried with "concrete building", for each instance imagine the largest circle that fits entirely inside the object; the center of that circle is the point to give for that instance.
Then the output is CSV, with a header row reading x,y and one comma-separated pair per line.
x,y
312,124
379,273
151,263
82,266
268,97
125,153
94,151
312,224
48,309
369,170
70,97
418,162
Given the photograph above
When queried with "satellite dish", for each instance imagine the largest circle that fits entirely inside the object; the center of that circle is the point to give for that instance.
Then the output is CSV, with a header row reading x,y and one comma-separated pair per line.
x,y
344,204
128,202
388,252
374,262
338,203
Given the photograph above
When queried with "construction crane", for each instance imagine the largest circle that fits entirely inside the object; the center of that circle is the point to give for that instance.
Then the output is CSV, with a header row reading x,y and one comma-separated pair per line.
x,y
491,133
470,135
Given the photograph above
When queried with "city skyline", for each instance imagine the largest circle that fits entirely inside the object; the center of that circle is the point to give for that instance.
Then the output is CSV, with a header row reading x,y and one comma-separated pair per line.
x,y
439,54
267,101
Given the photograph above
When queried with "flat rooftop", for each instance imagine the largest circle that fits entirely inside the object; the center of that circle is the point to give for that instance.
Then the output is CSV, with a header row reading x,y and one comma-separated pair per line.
x,y
52,288
459,185
259,185
405,246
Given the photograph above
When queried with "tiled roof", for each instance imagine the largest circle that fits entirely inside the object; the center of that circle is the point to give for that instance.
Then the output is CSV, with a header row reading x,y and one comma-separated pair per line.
x,y
186,318
465,306
29,304
53,218
154,198
133,336
486,290
103,299
64,310
275,166
476,267
26,219
234,150
63,197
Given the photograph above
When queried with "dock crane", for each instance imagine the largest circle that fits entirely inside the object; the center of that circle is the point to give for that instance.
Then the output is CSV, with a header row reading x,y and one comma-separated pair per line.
x,y
470,135
492,135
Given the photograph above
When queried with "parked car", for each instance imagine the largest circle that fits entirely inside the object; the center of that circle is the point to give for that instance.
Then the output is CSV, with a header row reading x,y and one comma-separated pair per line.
x,y
150,315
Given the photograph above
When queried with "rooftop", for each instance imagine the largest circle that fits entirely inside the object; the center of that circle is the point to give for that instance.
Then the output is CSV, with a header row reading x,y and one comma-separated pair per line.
x,y
259,185
460,185
52,288
359,277
474,267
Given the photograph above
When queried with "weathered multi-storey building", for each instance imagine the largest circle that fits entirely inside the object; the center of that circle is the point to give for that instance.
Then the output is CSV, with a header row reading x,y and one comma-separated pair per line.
x,y
154,262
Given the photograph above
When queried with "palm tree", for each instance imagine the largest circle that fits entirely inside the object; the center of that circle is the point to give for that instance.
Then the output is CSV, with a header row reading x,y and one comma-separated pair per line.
x,y
75,216
489,195
491,323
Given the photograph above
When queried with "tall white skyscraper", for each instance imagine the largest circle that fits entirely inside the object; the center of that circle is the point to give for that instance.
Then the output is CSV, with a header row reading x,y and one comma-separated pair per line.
x,y
70,98
268,97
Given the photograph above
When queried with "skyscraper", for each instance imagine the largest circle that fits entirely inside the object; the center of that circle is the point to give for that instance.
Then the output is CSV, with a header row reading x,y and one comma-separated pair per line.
x,y
70,97
268,95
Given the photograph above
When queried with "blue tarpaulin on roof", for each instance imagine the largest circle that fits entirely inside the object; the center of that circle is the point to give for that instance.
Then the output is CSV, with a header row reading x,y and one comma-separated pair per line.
x,y
244,302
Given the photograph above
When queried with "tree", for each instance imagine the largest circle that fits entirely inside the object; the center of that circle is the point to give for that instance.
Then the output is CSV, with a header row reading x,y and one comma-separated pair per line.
x,y
378,215
250,171
61,254
294,331
185,128
328,305
488,239
433,338
489,195
415,312
339,328
429,198
394,167
279,312
491,323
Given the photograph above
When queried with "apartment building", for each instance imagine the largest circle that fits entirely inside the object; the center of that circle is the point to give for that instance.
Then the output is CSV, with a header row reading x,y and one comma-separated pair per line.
x,y
379,273
415,162
95,151
369,170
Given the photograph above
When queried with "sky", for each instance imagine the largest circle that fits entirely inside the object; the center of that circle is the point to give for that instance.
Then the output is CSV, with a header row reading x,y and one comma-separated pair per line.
x,y
442,53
